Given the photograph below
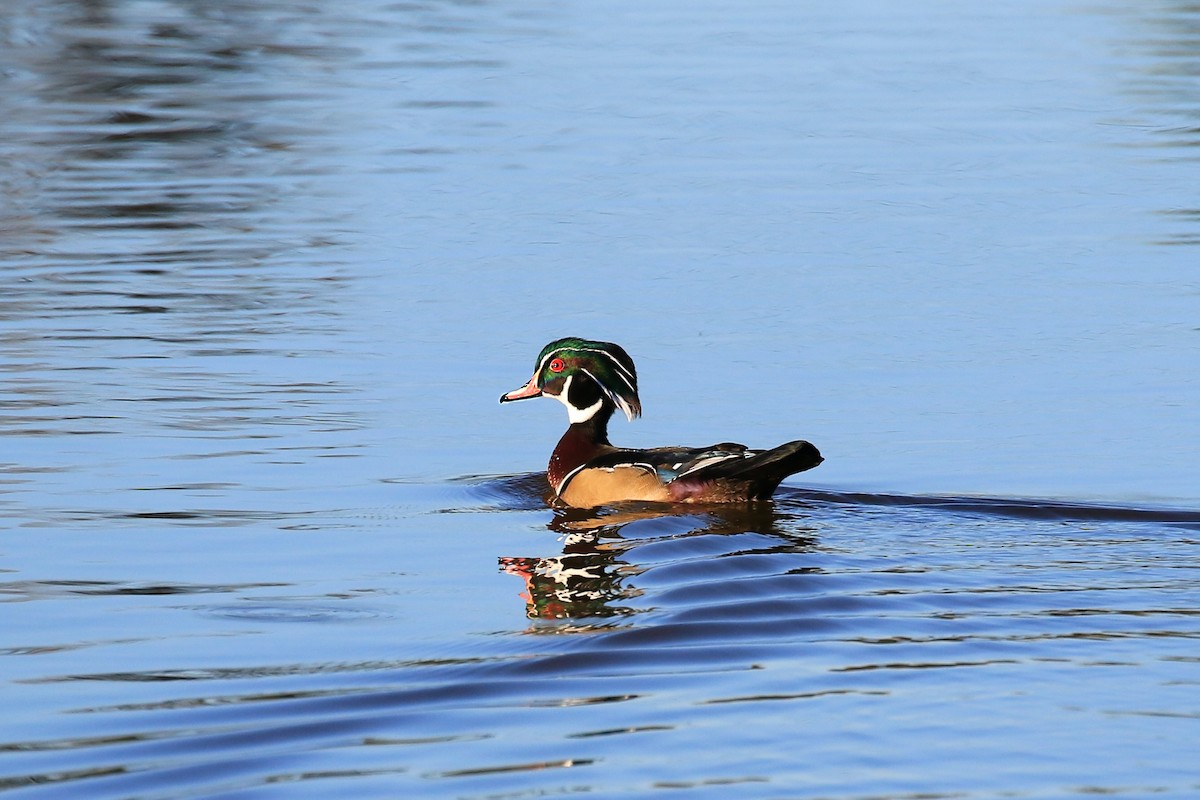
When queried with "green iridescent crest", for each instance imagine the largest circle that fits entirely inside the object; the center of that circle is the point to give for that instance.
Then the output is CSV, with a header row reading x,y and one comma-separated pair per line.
x,y
605,363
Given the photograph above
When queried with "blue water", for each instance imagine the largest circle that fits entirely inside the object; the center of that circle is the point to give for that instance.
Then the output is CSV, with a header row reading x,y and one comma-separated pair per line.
x,y
265,532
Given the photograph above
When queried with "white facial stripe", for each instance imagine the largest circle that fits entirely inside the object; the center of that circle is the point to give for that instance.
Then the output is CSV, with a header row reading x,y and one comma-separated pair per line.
x,y
622,371
542,365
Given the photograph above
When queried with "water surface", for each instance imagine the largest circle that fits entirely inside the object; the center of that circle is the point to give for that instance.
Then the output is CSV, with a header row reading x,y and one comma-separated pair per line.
x,y
264,531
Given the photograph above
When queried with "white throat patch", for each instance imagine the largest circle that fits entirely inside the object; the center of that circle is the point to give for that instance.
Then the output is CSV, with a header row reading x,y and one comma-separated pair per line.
x,y
574,414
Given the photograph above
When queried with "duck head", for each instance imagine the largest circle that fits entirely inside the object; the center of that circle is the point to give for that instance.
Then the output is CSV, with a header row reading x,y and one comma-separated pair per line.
x,y
589,378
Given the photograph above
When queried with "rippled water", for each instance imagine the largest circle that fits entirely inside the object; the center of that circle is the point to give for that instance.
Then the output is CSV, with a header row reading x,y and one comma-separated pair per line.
x,y
264,531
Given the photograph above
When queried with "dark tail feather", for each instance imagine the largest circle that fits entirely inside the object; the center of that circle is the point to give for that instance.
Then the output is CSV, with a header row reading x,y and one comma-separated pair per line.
x,y
765,471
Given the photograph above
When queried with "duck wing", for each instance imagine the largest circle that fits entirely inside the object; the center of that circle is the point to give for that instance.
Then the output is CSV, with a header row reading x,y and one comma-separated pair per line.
x,y
692,471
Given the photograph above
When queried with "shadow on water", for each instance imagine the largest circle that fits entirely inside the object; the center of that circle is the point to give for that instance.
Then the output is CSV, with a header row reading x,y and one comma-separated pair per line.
x,y
1007,507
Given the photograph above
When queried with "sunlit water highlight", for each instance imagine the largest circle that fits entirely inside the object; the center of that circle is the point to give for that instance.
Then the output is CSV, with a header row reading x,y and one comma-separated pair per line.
x,y
268,266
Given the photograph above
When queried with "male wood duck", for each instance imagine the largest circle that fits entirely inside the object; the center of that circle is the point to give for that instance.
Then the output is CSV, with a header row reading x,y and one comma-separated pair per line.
x,y
594,379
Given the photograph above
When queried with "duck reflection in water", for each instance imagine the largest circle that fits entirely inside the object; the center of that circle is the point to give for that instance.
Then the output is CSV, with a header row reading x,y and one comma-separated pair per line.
x,y
589,582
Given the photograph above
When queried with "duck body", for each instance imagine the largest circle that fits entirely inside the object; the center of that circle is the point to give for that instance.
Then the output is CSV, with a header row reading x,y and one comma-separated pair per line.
x,y
594,379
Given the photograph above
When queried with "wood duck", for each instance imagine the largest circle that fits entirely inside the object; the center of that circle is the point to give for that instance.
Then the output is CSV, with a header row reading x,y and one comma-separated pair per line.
x,y
594,379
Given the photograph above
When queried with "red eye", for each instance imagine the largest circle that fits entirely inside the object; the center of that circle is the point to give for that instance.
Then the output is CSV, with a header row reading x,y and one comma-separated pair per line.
x,y
557,365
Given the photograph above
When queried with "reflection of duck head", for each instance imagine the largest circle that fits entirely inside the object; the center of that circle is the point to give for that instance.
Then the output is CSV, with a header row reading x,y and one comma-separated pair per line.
x,y
569,586
588,579
585,579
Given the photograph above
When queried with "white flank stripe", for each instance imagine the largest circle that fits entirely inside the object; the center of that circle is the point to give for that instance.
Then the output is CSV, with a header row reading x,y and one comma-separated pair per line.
x,y
567,479
631,465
